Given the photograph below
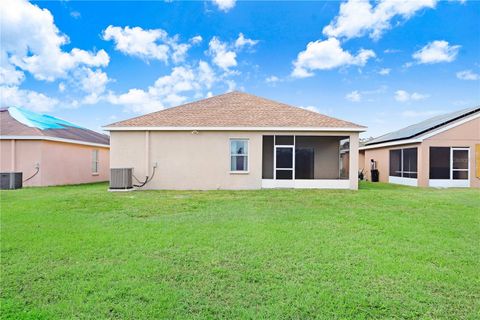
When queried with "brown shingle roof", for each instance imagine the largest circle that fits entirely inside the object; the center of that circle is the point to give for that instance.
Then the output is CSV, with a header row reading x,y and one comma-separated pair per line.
x,y
235,109
9,126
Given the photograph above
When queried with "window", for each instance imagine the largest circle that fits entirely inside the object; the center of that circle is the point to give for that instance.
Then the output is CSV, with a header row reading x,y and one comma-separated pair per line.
x,y
304,163
439,163
95,161
396,163
409,163
284,162
403,163
459,164
238,155
449,163
284,140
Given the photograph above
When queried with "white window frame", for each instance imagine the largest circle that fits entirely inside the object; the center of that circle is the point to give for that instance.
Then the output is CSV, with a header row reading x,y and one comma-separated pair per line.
x,y
452,149
275,146
452,183
401,164
407,181
231,155
95,161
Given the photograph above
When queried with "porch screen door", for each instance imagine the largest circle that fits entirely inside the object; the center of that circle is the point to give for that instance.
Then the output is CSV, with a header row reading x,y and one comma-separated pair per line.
x,y
284,162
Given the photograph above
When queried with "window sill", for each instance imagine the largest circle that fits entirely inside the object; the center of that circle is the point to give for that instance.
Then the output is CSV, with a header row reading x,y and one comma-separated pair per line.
x,y
95,174
239,172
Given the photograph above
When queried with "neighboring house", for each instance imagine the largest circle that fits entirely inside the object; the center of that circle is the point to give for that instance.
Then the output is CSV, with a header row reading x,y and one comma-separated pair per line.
x,y
443,151
49,151
235,141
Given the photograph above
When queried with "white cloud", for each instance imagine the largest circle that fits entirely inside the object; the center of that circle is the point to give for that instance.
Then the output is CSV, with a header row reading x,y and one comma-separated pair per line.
x,y
417,114
94,84
404,96
391,51
137,101
367,95
13,96
231,85
384,71
318,110
357,18
222,56
196,39
354,96
32,42
467,75
272,79
327,54
437,51
149,44
138,42
224,5
61,87
9,75
179,52
167,91
75,14
310,108
94,81
205,74
242,41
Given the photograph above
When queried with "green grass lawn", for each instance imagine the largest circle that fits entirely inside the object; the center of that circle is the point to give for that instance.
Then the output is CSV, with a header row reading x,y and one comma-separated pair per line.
x,y
382,252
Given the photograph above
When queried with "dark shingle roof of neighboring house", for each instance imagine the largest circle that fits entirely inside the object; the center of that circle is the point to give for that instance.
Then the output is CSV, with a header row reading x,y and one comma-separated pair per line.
x,y
235,109
424,126
20,122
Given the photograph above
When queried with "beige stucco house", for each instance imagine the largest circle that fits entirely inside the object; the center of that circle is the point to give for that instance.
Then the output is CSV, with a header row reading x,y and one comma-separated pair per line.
x,y
443,151
50,151
236,141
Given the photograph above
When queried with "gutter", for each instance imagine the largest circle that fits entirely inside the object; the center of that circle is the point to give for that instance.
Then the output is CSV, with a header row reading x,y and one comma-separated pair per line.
x,y
86,143
391,143
342,129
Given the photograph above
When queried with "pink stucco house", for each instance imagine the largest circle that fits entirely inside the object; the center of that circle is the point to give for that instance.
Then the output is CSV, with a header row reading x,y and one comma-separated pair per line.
x,y
443,151
50,151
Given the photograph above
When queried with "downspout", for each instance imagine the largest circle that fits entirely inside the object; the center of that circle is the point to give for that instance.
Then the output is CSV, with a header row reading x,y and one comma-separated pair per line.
x,y
147,153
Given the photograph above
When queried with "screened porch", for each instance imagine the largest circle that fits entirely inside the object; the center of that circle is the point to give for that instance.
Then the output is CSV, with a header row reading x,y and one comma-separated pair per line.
x,y
301,161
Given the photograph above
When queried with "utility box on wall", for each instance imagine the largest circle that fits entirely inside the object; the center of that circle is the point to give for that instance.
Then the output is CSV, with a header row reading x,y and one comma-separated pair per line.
x,y
10,180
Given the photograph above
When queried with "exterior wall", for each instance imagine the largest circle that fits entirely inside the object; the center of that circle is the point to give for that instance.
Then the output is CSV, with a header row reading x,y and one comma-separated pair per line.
x,y
353,162
22,156
65,163
465,135
60,163
382,157
361,161
185,160
197,160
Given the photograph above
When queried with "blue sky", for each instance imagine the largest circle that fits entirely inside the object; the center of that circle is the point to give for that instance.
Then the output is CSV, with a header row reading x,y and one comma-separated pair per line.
x,y
381,64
